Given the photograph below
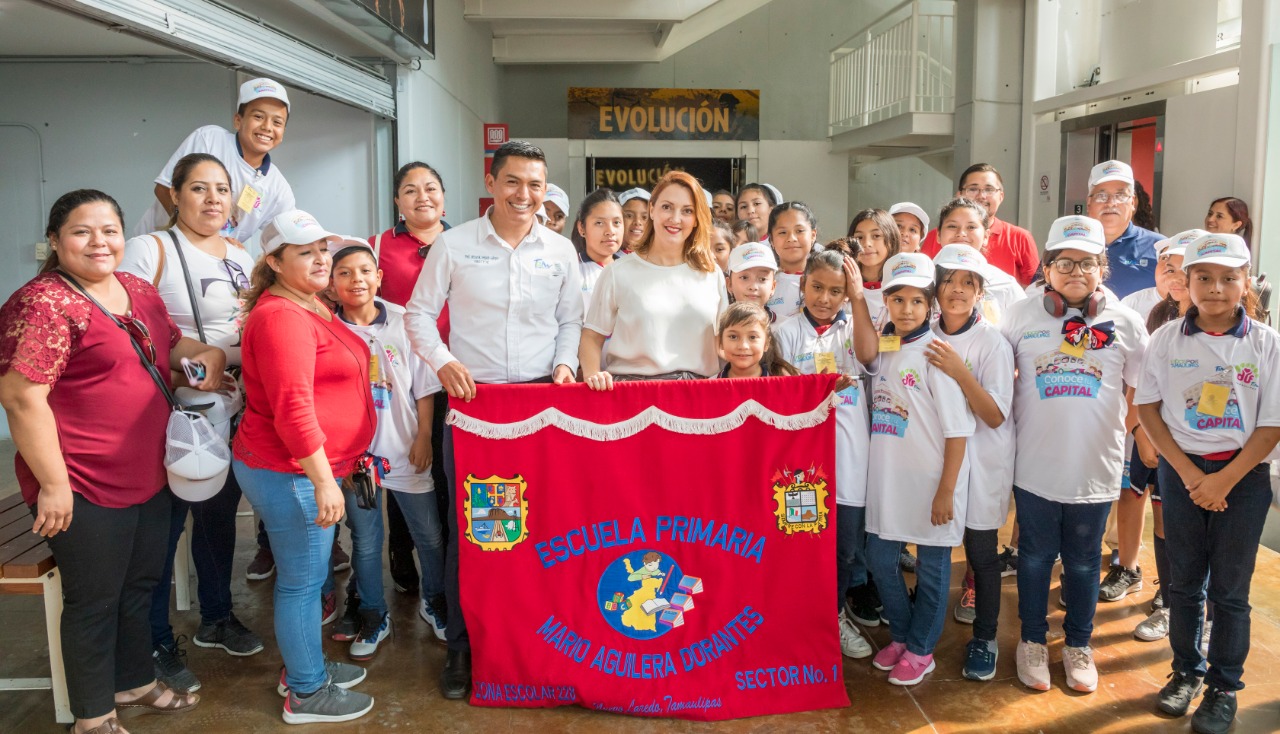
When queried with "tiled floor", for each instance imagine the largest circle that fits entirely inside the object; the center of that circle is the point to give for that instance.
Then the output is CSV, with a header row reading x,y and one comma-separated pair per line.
x,y
239,694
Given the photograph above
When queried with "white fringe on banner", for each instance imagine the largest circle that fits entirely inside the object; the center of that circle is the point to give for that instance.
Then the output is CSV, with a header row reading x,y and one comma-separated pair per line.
x,y
650,416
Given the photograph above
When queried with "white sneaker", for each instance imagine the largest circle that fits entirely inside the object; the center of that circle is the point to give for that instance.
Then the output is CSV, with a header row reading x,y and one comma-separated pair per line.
x,y
1082,675
1154,627
1033,665
852,643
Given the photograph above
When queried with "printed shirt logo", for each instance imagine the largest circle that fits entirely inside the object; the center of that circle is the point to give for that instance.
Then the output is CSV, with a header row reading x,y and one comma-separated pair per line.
x,y
1036,334
1247,374
1060,375
1182,364
849,396
1229,420
801,495
477,258
542,267
890,415
911,379
497,511
645,594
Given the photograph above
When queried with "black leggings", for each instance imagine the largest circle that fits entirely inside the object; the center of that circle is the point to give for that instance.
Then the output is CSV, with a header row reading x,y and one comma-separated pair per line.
x,y
110,560
981,549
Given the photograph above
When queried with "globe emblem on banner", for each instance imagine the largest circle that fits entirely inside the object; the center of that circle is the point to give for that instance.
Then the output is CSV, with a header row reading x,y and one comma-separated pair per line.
x,y
644,594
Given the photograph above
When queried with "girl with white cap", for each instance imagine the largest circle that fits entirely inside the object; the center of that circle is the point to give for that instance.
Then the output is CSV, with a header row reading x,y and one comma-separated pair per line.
x,y
917,488
971,350
1075,351
912,223
1208,402
635,217
755,201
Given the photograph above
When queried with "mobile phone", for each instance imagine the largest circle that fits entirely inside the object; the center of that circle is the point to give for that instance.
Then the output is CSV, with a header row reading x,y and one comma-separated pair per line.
x,y
194,371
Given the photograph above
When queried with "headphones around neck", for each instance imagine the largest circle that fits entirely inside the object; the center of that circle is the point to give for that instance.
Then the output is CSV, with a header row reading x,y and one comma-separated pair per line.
x,y
1057,306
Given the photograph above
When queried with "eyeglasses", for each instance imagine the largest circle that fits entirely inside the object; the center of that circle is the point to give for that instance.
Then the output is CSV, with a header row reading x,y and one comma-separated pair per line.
x,y
236,273
138,331
1103,197
1066,266
974,191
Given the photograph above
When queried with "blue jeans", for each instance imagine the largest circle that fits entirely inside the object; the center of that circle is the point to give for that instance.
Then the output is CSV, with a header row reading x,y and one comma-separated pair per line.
x,y
287,505
1048,529
919,625
1214,552
422,515
851,550
367,536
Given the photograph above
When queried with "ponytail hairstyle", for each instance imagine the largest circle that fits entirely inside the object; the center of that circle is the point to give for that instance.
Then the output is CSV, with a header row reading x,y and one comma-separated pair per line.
x,y
584,210
61,211
182,171
1163,312
697,248
742,226
1239,211
747,312
846,246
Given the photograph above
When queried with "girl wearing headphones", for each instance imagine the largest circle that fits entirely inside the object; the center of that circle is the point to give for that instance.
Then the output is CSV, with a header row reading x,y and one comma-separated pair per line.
x,y
1076,352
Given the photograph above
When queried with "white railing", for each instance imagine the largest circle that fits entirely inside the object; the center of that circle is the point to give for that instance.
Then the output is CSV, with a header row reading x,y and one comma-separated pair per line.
x,y
903,62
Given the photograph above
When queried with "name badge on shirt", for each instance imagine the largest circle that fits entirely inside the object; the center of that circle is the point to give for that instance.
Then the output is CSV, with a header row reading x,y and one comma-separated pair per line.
x,y
1072,350
248,199
824,362
1213,399
890,343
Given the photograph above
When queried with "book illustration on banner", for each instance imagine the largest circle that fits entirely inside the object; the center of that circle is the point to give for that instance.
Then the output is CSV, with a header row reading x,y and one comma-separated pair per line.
x,y
497,512
801,495
645,594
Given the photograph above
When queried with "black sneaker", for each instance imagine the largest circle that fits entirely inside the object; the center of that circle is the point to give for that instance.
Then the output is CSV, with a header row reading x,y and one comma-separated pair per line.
x,y
455,679
171,668
1119,583
1157,601
348,625
860,607
1177,695
338,558
262,566
229,635
1008,562
906,561
404,574
1216,712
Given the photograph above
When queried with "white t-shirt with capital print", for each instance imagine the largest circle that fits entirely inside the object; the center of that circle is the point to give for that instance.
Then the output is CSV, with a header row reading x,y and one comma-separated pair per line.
x,y
213,279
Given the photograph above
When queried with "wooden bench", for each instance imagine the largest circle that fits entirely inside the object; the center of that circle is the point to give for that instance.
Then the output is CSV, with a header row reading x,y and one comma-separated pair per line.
x,y
27,567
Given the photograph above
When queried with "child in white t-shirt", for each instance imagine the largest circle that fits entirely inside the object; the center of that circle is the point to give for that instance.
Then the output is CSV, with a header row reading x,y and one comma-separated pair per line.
x,y
972,351
825,339
878,240
753,272
1207,399
793,231
402,390
259,190
597,234
1075,350
917,486
747,346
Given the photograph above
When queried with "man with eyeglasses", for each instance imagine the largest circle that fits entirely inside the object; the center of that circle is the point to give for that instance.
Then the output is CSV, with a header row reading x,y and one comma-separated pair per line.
x,y
1009,247
1131,250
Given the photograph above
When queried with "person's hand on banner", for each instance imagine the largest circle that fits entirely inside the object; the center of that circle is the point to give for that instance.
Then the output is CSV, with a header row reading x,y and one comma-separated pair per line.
x,y
562,375
844,382
456,380
600,381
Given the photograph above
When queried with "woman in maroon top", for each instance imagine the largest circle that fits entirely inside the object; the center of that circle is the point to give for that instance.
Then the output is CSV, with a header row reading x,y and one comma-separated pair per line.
x,y
308,418
400,252
89,425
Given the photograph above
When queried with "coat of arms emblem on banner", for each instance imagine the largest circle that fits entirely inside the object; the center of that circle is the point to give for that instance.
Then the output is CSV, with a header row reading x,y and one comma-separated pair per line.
x,y
497,512
801,495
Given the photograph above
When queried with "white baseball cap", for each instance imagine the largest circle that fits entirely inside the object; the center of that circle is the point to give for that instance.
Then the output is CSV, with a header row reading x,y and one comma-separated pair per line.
x,y
1217,249
196,458
752,255
259,88
629,194
914,210
908,268
556,195
340,242
1177,244
1076,233
777,195
294,227
1110,171
961,257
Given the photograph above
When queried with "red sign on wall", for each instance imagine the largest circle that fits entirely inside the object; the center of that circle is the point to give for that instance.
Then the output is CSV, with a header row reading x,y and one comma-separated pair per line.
x,y
495,135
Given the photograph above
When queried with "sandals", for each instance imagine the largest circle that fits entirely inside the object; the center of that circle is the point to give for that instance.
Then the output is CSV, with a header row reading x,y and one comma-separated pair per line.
x,y
110,726
146,703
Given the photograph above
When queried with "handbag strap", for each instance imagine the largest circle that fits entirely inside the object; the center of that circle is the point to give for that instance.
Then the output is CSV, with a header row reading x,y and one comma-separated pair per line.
x,y
191,291
148,364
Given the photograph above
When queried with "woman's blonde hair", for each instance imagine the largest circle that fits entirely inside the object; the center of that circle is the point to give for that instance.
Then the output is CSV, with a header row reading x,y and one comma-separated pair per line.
x,y
697,249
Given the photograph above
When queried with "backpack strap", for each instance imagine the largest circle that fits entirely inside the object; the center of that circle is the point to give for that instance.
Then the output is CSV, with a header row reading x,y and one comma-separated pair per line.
x,y
155,280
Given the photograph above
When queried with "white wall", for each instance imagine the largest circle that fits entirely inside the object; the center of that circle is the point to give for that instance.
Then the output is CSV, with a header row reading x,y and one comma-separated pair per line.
x,y
807,171
1199,156
885,183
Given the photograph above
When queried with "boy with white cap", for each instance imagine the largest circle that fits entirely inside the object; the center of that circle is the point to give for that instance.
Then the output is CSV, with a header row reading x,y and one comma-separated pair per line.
x,y
1210,405
912,223
753,271
635,216
1130,248
259,190
555,208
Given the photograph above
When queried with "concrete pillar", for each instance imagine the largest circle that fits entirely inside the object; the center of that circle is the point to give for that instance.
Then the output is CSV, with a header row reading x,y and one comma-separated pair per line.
x,y
989,65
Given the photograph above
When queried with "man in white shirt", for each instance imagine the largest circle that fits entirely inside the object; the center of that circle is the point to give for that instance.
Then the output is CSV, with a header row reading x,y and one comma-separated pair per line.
x,y
514,293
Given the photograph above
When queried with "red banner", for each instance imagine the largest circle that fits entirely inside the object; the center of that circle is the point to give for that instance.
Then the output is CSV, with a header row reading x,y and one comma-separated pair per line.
x,y
666,549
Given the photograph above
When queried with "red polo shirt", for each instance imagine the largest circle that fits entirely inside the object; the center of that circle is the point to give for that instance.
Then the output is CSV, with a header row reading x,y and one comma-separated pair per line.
x,y
1009,247
401,262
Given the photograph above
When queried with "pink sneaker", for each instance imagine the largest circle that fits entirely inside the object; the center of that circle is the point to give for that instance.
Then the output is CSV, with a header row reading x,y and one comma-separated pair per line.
x,y
911,669
887,658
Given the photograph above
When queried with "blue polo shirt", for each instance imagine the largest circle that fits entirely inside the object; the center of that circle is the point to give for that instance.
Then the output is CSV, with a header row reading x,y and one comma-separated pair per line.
x,y
1133,260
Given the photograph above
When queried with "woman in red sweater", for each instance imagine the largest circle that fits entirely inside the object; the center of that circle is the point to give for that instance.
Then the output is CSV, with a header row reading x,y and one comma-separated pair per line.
x,y
308,418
